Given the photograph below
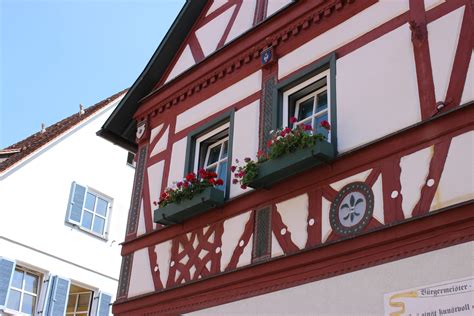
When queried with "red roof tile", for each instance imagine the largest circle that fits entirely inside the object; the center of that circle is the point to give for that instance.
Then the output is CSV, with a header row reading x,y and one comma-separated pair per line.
x,y
29,145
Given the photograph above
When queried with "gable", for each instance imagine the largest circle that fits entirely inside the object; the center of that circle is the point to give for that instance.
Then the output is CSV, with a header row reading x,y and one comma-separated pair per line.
x,y
221,22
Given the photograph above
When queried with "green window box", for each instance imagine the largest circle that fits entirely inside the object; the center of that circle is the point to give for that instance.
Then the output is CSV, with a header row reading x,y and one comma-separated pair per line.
x,y
276,170
179,212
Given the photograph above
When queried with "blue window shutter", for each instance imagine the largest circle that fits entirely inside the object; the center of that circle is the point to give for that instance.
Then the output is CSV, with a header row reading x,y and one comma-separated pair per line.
x,y
77,202
58,296
103,306
6,271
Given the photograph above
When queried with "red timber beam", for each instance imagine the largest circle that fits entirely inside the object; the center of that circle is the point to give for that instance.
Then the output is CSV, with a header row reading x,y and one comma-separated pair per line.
x,y
421,50
439,230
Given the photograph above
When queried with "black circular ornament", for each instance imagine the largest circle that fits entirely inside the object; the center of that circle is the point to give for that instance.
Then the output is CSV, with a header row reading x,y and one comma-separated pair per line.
x,y
352,208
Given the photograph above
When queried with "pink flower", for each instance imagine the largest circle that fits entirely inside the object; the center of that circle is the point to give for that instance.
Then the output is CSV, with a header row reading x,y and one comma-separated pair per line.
x,y
233,168
247,159
325,124
155,203
308,128
179,184
219,181
235,181
243,186
293,120
287,130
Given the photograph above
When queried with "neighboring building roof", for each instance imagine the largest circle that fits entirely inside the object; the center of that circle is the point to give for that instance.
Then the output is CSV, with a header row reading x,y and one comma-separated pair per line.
x,y
120,127
13,154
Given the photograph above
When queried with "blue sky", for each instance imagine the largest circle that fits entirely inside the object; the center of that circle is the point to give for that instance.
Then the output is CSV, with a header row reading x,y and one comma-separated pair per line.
x,y
55,54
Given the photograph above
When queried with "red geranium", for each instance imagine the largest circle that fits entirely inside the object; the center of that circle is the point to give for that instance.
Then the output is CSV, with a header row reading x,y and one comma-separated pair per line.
x,y
325,124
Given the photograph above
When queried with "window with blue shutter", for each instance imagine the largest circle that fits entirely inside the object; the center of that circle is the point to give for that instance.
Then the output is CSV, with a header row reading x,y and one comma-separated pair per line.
x,y
89,210
103,305
58,296
6,272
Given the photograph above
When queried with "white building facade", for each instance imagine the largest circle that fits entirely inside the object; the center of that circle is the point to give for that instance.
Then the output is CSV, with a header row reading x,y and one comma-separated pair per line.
x,y
63,211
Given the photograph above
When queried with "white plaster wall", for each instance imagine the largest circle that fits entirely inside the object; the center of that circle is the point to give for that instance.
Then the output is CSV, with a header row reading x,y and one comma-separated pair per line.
x,y
185,61
275,5
161,144
211,33
443,37
245,142
244,19
380,98
233,229
154,132
155,177
378,213
360,292
44,263
141,280
216,4
342,34
178,159
294,214
457,179
358,177
414,169
220,101
325,225
34,202
163,257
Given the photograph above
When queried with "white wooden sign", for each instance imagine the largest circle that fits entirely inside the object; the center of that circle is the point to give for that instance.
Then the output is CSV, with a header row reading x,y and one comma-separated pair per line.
x,y
455,297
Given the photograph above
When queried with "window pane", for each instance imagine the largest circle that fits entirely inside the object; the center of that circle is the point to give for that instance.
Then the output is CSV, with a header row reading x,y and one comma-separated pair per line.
x,y
14,300
101,207
31,283
224,150
86,220
223,173
212,169
83,304
90,201
28,304
305,109
71,303
99,224
322,101
17,279
318,127
213,154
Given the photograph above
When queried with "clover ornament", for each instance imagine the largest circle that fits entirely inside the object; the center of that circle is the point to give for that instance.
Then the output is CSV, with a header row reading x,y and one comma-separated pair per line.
x,y
352,208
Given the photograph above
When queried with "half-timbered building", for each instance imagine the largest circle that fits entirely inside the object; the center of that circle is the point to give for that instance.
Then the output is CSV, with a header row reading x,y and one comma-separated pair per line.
x,y
383,204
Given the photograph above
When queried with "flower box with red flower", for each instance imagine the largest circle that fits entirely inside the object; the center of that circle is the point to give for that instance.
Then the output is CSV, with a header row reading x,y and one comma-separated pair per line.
x,y
191,197
290,151
276,170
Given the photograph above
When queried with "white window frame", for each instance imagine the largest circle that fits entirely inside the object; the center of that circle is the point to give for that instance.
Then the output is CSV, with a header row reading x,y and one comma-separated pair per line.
x,y
206,136
289,92
23,292
89,306
94,214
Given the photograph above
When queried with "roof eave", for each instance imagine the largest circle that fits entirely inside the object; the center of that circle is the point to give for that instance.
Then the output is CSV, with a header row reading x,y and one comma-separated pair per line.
x,y
120,126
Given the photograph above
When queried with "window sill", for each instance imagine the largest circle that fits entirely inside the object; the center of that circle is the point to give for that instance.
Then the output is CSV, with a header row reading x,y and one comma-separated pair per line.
x,y
179,212
276,170
89,232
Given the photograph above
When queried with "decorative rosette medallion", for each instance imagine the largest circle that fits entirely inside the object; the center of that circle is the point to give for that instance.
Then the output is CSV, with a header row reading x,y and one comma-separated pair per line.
x,y
352,208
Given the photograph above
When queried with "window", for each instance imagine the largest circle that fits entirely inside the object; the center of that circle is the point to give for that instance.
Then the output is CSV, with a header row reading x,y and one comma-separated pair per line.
x,y
24,290
79,301
212,151
310,105
310,97
89,210
210,148
131,159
